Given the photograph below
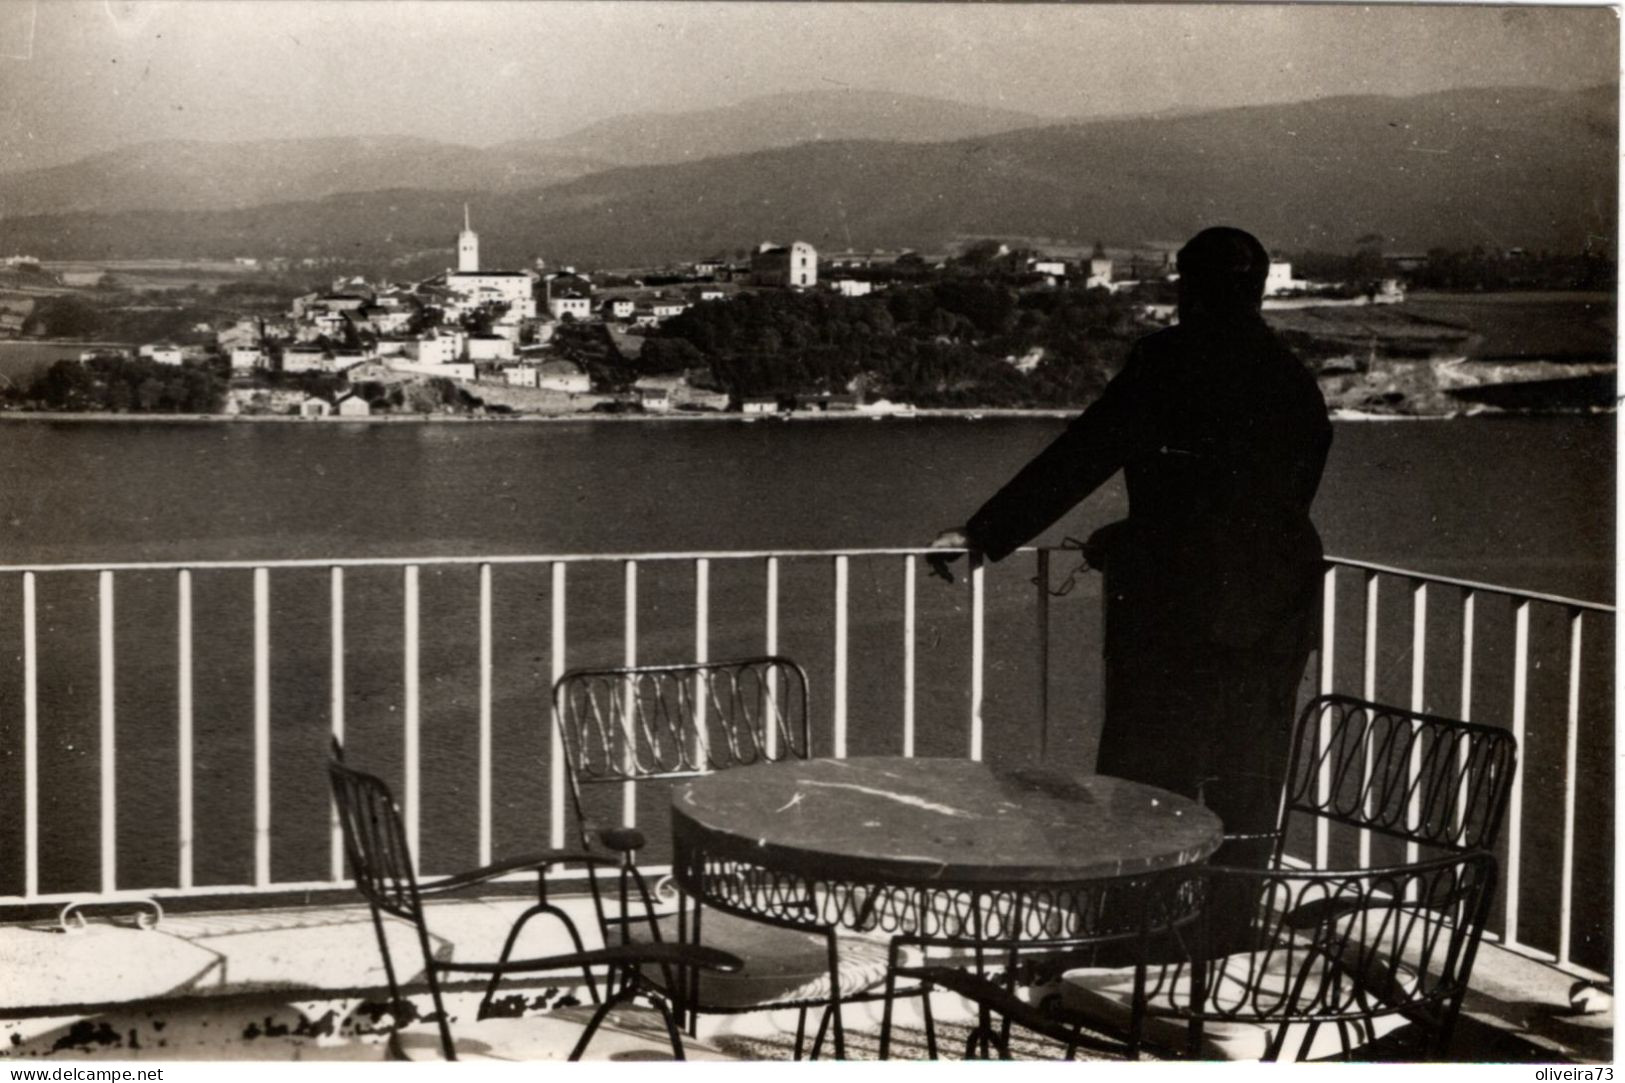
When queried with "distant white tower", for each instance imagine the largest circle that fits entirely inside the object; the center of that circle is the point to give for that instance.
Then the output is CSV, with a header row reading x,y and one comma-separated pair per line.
x,y
468,246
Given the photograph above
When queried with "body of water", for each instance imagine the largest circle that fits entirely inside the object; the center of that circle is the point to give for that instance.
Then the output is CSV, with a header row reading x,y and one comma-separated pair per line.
x,y
1524,502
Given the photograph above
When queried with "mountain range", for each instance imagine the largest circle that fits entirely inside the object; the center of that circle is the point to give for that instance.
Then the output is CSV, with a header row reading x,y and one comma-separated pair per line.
x,y
1492,166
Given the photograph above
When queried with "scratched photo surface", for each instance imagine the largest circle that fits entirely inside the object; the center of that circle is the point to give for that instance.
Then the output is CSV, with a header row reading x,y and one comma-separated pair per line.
x,y
545,404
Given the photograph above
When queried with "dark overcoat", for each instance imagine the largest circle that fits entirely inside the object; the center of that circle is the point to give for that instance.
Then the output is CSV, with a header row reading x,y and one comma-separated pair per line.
x,y
1212,581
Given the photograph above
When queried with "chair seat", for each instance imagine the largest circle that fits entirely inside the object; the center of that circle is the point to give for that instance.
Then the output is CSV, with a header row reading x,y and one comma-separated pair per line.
x,y
1251,983
782,966
627,1034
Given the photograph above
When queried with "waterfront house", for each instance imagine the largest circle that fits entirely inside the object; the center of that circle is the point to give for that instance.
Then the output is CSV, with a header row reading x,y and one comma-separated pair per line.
x,y
521,375
759,404
655,400
315,406
353,405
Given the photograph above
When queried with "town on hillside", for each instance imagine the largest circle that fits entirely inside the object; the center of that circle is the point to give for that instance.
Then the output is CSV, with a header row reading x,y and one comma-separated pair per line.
x,y
781,329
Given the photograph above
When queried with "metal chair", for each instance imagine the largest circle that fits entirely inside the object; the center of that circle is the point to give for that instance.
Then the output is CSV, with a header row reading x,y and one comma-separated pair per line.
x,y
662,723
376,845
1344,948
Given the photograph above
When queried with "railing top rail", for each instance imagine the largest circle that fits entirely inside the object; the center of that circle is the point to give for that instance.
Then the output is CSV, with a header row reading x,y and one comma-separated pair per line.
x,y
719,555
1469,584
510,558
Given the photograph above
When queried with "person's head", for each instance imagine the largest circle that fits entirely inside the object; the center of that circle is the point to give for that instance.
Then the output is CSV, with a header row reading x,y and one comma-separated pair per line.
x,y
1222,270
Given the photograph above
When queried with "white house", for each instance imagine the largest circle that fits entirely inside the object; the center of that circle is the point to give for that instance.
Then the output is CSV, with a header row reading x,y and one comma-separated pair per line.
x,y
353,405
315,407
1054,267
562,375
163,353
656,400
1099,276
759,405
1280,279
520,376
792,266
618,308
437,348
578,308
247,358
511,289
852,287
305,359
490,348
665,308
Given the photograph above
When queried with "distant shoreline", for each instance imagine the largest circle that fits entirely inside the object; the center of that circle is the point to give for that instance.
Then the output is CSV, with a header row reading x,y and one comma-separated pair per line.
x,y
710,417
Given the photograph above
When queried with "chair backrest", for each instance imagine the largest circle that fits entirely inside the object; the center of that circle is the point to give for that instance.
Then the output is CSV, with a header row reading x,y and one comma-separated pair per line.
x,y
674,721
374,839
1331,944
1423,778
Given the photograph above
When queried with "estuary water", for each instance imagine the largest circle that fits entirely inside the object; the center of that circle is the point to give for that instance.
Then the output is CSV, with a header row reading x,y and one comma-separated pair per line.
x,y
1523,502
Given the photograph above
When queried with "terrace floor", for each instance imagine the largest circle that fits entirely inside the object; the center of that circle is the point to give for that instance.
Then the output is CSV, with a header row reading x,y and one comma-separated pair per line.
x,y
302,983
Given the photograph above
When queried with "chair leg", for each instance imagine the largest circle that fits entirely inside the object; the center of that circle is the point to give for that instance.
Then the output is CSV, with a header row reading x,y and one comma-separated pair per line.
x,y
801,1030
930,1023
671,1027
886,1004
835,993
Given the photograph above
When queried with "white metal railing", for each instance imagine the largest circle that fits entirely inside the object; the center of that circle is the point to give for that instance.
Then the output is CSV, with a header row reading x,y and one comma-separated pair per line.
x,y
1576,612
1424,590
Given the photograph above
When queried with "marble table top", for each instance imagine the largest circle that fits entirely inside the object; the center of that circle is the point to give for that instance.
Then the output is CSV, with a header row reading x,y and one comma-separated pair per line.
x,y
899,820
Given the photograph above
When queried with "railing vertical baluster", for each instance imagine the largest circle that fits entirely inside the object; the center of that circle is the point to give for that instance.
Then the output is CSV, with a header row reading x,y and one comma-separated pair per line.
x,y
978,621
335,709
30,739
1369,690
702,652
410,658
1571,764
1520,703
109,750
1419,637
770,622
485,715
1469,608
839,703
1041,612
1328,658
183,724
909,603
556,645
629,807
262,726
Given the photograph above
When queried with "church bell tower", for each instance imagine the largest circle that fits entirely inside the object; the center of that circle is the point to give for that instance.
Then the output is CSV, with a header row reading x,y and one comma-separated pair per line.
x,y
468,246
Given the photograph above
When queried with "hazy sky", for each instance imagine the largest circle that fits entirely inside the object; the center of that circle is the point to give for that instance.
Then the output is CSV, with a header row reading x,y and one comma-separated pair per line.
x,y
79,76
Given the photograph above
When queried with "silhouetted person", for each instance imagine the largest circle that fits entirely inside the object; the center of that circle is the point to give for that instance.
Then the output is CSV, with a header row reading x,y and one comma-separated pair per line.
x,y
1212,582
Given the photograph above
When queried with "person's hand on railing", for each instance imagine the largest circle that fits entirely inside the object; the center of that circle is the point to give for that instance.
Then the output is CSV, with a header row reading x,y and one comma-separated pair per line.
x,y
953,538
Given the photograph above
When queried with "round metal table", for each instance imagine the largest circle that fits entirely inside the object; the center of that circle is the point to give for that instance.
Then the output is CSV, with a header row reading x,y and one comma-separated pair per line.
x,y
929,849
